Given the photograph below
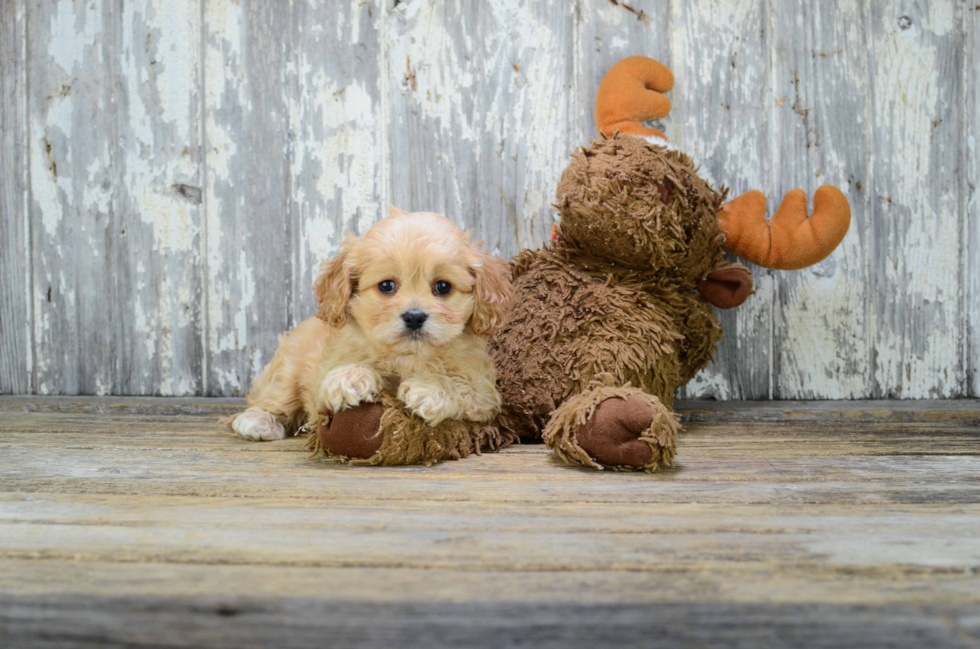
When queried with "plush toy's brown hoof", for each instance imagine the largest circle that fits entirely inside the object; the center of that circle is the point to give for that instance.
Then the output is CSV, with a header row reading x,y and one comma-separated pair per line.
x,y
612,435
355,432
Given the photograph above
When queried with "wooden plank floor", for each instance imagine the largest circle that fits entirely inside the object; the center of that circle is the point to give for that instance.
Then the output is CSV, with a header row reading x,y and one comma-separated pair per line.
x,y
141,522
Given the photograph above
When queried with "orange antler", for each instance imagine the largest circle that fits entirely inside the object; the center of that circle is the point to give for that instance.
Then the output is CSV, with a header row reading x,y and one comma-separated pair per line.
x,y
631,93
790,240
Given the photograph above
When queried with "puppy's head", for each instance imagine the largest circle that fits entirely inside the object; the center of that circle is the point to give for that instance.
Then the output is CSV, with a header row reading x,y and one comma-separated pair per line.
x,y
414,280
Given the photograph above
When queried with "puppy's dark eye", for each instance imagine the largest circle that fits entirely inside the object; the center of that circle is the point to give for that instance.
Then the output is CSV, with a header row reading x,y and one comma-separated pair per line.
x,y
442,288
387,287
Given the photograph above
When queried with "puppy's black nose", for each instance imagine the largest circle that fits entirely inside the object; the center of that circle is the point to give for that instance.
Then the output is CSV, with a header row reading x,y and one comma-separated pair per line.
x,y
414,319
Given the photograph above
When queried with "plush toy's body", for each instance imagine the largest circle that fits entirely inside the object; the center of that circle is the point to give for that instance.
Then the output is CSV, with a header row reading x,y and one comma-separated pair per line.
x,y
616,314
610,308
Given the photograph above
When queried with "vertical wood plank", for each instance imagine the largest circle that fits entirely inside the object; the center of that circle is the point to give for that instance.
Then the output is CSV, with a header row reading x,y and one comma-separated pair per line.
x,y
479,101
71,168
160,164
337,129
916,52
113,113
971,195
721,99
821,115
16,361
249,226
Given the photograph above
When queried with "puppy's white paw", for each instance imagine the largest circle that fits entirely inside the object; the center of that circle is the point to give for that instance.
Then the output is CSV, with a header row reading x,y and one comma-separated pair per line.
x,y
258,425
430,401
349,385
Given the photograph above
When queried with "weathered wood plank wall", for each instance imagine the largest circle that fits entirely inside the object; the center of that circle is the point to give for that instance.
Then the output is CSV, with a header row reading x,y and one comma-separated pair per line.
x,y
172,173
16,347
970,186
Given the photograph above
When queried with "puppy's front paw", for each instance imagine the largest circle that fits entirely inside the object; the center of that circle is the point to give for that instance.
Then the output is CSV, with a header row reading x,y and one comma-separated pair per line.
x,y
349,385
430,401
258,425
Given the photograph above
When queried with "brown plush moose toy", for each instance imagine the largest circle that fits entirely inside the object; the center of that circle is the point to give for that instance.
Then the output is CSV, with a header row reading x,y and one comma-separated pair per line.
x,y
616,313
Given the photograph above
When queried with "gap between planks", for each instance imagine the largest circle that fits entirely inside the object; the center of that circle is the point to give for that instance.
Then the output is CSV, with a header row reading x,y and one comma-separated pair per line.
x,y
691,410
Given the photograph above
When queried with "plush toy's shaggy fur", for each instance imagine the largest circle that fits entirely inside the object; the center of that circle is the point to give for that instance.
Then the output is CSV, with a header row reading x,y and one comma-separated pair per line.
x,y
610,309
385,432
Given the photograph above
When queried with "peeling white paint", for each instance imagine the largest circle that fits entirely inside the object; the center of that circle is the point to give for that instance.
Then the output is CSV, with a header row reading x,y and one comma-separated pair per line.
x,y
917,338
336,159
49,191
72,33
347,156
163,339
174,228
174,42
109,141
820,313
971,222
432,68
480,112
719,116
224,95
539,112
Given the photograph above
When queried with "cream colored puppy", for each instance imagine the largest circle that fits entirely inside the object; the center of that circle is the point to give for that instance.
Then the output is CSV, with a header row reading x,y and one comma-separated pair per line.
x,y
409,304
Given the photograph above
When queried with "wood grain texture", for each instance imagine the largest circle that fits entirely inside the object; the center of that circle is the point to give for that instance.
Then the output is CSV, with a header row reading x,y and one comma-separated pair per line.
x,y
295,159
250,226
917,206
115,179
971,194
488,537
160,530
181,169
16,317
200,620
721,116
337,133
73,231
160,163
229,584
479,127
786,462
821,343
961,411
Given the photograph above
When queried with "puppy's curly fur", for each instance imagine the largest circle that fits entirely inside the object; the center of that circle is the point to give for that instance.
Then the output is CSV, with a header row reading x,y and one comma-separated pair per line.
x,y
410,304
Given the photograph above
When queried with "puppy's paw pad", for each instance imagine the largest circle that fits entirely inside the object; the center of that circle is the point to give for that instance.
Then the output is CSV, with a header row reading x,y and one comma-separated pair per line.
x,y
346,387
258,425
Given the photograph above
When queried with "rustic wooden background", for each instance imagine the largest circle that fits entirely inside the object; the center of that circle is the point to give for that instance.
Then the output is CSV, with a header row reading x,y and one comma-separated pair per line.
x,y
172,171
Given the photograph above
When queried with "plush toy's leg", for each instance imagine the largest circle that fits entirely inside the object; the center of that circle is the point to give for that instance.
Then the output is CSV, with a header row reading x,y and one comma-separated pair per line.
x,y
353,433
385,433
614,427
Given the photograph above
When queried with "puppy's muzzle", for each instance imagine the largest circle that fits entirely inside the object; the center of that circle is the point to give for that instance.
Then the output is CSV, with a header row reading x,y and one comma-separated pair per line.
x,y
414,319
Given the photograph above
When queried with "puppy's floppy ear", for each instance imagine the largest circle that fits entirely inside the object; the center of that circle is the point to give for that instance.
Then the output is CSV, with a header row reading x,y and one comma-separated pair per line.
x,y
395,211
492,293
335,285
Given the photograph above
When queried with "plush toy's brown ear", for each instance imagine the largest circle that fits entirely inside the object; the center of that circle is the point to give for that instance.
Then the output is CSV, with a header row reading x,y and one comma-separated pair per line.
x,y
492,293
335,285
726,288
